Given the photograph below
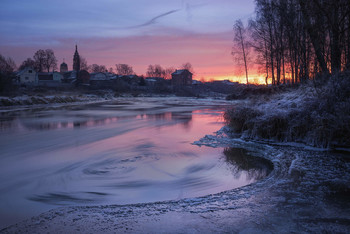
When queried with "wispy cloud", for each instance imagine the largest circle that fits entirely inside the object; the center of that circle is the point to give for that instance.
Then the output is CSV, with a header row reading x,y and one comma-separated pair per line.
x,y
153,20
139,32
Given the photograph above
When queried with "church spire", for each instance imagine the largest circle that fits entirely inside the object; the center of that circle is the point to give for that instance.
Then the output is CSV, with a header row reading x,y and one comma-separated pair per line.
x,y
76,59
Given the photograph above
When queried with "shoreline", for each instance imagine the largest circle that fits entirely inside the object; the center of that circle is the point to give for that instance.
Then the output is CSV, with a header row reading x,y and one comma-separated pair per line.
x,y
287,200
25,102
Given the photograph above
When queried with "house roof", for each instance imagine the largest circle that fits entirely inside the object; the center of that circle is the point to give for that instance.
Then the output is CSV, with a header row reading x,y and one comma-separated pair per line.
x,y
154,78
95,73
24,70
99,76
70,75
179,72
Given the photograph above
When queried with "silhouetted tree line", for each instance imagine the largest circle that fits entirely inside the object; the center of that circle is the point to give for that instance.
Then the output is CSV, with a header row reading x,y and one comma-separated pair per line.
x,y
158,71
241,48
124,69
43,60
7,67
297,39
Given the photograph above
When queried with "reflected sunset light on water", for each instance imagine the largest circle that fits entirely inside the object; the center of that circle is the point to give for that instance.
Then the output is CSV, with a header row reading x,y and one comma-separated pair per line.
x,y
113,153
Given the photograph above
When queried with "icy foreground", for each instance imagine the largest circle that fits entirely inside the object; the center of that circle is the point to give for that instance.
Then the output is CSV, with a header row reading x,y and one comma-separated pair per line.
x,y
308,191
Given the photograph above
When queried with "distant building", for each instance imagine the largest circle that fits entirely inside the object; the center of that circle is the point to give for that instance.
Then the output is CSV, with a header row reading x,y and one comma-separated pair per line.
x,y
111,76
27,76
70,77
50,79
181,78
224,82
102,80
99,76
150,81
63,67
133,80
84,77
196,82
76,60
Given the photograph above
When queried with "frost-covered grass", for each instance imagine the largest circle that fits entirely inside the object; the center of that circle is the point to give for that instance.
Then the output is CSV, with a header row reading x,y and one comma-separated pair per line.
x,y
54,97
316,114
37,100
243,91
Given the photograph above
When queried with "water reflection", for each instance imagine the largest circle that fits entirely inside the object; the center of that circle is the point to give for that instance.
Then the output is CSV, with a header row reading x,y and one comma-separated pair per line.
x,y
240,162
152,178
114,154
7,122
61,199
71,119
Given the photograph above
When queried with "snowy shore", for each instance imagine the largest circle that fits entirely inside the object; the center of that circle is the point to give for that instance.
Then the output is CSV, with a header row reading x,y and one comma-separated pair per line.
x,y
308,191
32,99
314,114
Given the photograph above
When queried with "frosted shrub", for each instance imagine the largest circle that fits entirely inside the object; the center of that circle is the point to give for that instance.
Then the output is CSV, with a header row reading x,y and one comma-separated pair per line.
x,y
238,118
272,127
244,92
316,114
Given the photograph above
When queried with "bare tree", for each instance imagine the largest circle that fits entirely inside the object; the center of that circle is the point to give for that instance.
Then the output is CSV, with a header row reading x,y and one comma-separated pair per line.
x,y
347,44
241,47
11,64
155,71
83,64
281,41
7,65
45,59
336,15
50,61
150,71
27,63
167,72
124,69
39,58
311,29
188,66
297,39
97,68
260,45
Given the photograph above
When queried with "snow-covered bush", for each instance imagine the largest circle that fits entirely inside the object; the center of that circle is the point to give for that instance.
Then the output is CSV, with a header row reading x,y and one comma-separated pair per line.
x,y
317,114
238,118
251,91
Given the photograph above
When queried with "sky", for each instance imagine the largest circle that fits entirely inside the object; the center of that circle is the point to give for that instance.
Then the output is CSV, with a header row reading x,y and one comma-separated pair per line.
x,y
135,32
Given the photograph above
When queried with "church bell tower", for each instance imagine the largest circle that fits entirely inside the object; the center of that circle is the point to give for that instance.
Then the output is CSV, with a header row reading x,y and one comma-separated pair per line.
x,y
76,60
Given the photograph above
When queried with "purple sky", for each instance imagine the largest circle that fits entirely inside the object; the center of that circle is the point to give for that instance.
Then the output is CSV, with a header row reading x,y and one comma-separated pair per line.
x,y
137,32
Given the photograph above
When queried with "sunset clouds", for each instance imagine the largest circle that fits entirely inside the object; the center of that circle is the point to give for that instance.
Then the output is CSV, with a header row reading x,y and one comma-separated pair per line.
x,y
139,32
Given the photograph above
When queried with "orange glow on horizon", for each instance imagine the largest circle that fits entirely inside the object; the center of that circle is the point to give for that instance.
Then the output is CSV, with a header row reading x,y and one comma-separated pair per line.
x,y
252,79
209,54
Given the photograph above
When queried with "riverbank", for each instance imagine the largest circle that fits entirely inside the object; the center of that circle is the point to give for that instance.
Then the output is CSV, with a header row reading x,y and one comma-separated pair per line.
x,y
307,192
316,114
49,98
60,97
45,95
54,100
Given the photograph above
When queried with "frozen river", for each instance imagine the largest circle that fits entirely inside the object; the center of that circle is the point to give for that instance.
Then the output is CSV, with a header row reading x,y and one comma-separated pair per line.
x,y
119,152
